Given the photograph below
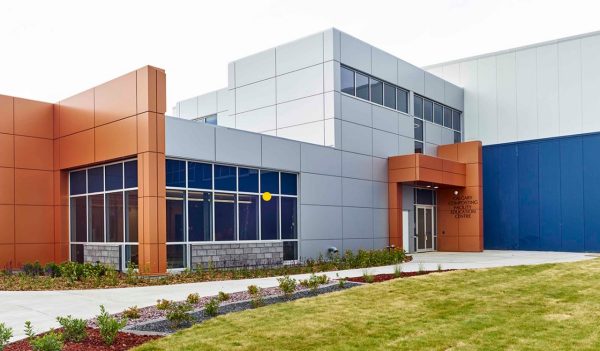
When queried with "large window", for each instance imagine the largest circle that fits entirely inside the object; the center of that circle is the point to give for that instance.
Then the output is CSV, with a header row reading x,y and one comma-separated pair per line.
x,y
103,209
439,114
223,203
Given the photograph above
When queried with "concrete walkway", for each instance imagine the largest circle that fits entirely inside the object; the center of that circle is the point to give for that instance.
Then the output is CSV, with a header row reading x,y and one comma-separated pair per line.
x,y
42,307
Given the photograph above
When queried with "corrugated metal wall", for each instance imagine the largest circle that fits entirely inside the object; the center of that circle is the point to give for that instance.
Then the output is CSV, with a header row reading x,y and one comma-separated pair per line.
x,y
543,194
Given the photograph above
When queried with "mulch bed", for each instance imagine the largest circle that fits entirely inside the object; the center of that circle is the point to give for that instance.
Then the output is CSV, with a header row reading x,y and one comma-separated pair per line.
x,y
383,277
124,341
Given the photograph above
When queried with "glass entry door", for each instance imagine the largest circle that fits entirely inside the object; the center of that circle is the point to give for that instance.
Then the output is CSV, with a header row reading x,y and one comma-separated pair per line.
x,y
425,228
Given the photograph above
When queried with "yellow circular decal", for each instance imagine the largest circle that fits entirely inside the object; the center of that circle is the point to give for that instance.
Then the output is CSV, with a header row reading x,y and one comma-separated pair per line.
x,y
266,196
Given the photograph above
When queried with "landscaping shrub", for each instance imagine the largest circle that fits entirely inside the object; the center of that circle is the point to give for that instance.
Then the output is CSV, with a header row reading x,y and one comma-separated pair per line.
x,y
132,312
73,328
257,299
52,270
223,296
287,285
368,277
109,326
33,269
253,290
397,271
314,281
5,334
73,271
163,304
51,341
193,298
131,273
178,314
211,308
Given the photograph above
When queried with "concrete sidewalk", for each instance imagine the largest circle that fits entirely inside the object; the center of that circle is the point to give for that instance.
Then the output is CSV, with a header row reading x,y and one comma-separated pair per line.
x,y
42,307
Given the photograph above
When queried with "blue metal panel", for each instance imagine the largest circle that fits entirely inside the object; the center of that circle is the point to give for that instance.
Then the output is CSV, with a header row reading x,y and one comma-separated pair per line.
x,y
490,199
549,194
591,190
571,179
508,204
528,197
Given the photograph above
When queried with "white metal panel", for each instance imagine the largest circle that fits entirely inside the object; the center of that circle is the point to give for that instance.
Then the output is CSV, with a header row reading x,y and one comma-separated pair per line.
x,y
384,66
300,53
488,113
188,109
331,45
357,192
207,104
332,104
451,73
434,87
300,111
356,110
380,169
333,132
309,132
253,96
321,222
507,97
590,58
547,91
316,189
254,68
380,194
299,84
355,53
527,116
224,99
569,81
433,133
259,120
188,139
468,79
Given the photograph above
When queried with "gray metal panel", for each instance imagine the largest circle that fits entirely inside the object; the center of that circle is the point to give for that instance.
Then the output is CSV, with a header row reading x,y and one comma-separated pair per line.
x,y
331,76
384,144
321,222
316,189
235,146
253,96
433,133
188,109
447,136
385,119
224,99
321,159
280,154
380,169
332,104
299,84
358,244
300,53
384,66
314,248
357,138
411,77
333,132
380,195
380,243
356,110
380,224
406,125
231,75
254,68
434,87
355,53
357,223
357,166
188,139
454,96
430,149
331,45
357,192
406,145
590,53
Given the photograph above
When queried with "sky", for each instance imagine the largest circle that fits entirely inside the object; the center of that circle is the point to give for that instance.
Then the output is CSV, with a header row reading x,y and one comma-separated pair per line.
x,y
54,49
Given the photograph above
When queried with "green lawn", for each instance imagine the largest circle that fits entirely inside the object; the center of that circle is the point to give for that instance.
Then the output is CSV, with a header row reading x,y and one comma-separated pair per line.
x,y
544,307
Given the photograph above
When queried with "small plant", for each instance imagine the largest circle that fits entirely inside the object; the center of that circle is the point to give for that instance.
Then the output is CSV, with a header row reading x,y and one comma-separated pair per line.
x,y
211,308
73,271
131,274
5,334
51,341
109,326
223,296
52,270
193,298
439,267
253,290
73,328
163,304
287,285
341,281
368,277
178,314
314,281
397,271
421,268
33,269
257,300
132,312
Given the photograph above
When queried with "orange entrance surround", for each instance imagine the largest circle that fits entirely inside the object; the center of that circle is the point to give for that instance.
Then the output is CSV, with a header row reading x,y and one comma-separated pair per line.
x,y
456,173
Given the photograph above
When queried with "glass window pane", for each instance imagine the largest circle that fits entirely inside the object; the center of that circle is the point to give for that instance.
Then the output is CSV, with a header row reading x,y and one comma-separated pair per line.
x,y
438,116
199,175
175,216
457,138
131,174
289,211
224,217
77,253
114,217
248,217
269,217
289,184
418,147
389,96
424,197
77,183
447,117
456,120
78,208
175,173
96,218
428,110
418,108
418,129
225,178
114,177
347,81
362,86
95,179
211,120
376,91
248,180
176,256
290,250
131,255
200,218
131,204
402,97
269,182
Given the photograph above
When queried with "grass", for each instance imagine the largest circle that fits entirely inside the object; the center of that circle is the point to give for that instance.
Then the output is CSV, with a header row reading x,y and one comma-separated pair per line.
x,y
543,307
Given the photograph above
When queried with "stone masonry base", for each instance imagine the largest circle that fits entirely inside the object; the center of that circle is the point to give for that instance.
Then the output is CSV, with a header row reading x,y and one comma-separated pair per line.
x,y
106,254
237,255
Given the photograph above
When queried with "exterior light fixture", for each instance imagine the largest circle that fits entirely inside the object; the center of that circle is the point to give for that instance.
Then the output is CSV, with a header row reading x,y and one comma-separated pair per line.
x,y
436,187
455,192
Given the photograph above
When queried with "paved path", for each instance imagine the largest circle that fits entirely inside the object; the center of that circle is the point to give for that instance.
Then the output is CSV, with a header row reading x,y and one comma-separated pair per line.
x,y
42,307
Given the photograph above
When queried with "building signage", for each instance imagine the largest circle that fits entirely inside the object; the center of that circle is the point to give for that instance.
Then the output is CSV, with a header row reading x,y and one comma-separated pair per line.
x,y
463,206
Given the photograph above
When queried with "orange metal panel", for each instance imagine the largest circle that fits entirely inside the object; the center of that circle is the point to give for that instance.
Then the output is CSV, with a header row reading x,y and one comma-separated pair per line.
x,y
77,149
146,89
474,174
453,179
149,257
161,219
30,231
162,258
394,201
116,99
447,243
7,256
61,224
147,137
6,114
7,224
61,253
25,253
430,162
448,152
161,91
34,118
470,226
160,133
402,175
33,187
454,167
77,113
34,153
7,151
469,152
161,181
430,175
7,186
405,161
61,188
150,215
447,223
116,140
469,244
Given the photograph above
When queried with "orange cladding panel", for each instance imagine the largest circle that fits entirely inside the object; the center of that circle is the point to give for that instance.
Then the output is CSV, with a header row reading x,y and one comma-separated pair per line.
x,y
33,187
448,152
25,253
469,152
7,224
7,186
77,113
77,150
40,230
116,140
147,137
398,162
116,99
6,114
34,118
146,89
7,151
161,91
34,153
7,256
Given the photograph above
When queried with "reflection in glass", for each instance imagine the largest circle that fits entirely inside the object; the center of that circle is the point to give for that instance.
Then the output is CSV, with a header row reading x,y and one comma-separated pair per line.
x,y
289,184
402,97
114,217
77,253
457,138
269,181
438,116
199,175
95,179
175,218
225,178
248,180
362,86
290,250
131,255
428,110
376,91
456,120
418,129
114,177
347,81
176,256
131,174
248,217
418,108
418,147
175,173
389,96
77,183
78,219
447,117
269,217
224,217
289,227
199,221
96,218
131,204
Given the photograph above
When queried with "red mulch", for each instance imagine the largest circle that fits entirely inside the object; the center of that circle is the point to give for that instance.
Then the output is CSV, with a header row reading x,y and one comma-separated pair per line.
x,y
124,341
383,277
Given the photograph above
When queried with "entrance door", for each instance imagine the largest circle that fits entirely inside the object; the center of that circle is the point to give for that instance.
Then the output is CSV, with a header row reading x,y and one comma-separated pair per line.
x,y
425,228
